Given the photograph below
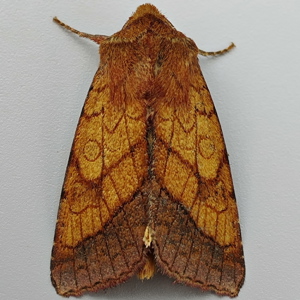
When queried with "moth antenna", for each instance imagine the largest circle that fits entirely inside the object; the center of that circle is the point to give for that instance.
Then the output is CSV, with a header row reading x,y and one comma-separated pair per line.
x,y
215,53
94,37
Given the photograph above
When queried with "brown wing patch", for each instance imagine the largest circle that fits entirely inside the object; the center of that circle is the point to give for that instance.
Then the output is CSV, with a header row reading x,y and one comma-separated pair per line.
x,y
185,253
106,259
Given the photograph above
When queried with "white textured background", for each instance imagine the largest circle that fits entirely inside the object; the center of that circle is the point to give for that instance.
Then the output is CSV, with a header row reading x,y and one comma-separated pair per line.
x,y
45,75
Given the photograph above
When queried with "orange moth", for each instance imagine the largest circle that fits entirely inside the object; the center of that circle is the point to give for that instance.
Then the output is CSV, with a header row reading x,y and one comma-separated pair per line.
x,y
148,183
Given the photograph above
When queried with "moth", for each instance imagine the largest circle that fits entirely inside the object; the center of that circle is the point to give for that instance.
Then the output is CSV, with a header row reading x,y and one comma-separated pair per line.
x,y
148,183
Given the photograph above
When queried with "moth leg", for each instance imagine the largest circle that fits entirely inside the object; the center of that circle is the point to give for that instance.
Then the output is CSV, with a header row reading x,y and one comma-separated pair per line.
x,y
94,37
205,53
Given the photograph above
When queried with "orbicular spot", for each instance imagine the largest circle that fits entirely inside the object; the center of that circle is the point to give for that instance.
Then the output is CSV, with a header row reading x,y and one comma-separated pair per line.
x,y
207,148
91,150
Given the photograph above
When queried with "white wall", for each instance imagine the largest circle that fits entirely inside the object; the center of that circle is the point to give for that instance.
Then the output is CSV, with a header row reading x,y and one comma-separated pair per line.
x,y
45,75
